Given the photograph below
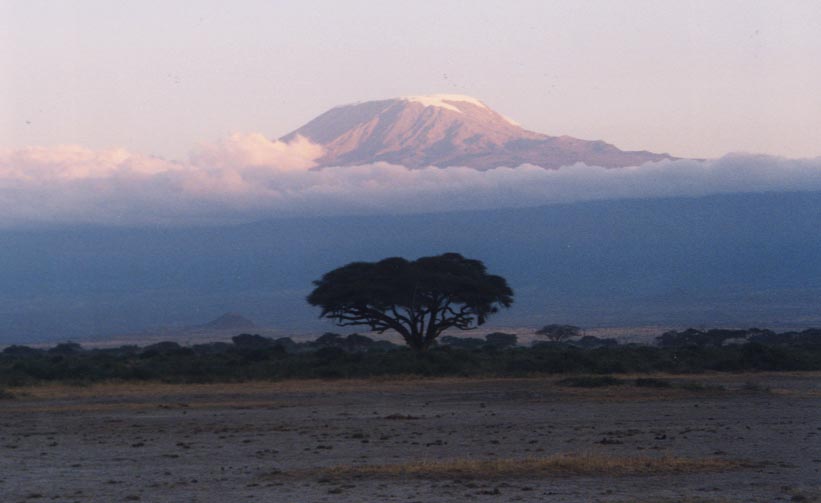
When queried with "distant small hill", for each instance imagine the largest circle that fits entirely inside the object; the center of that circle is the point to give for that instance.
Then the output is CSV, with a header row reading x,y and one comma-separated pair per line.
x,y
229,321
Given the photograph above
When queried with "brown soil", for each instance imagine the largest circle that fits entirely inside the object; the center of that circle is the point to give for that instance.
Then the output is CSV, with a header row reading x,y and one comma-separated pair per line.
x,y
756,439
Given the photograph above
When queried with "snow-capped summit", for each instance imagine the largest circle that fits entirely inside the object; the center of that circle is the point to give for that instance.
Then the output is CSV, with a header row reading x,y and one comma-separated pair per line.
x,y
448,130
447,101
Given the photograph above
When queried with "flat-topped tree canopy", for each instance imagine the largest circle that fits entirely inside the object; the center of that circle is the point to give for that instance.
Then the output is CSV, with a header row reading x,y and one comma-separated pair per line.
x,y
418,299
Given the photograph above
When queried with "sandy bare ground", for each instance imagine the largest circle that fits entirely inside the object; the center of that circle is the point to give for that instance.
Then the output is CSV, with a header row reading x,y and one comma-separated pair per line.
x,y
757,439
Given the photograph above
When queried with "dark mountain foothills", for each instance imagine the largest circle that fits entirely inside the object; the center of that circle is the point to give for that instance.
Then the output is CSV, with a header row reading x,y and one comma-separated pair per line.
x,y
727,260
229,321
448,130
251,356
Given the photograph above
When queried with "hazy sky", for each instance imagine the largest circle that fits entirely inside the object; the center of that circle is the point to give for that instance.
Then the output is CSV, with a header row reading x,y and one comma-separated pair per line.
x,y
693,78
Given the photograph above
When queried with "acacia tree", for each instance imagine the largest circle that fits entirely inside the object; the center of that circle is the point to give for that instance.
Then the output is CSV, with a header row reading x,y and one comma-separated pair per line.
x,y
417,299
559,333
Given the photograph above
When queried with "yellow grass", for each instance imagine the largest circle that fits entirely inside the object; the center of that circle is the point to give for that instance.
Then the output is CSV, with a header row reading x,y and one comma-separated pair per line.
x,y
557,465
140,391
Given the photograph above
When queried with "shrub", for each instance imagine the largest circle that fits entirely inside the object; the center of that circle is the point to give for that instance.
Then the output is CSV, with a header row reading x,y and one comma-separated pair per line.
x,y
462,342
252,341
21,351
66,348
359,356
501,339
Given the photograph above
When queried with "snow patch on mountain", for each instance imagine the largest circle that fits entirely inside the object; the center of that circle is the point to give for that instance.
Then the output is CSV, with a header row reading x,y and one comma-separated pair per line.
x,y
444,101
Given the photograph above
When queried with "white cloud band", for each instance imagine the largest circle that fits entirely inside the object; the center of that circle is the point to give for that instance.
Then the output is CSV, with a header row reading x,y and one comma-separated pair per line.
x,y
247,176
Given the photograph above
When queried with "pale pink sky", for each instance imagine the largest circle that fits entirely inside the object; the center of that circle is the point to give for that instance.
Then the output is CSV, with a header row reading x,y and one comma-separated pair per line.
x,y
693,78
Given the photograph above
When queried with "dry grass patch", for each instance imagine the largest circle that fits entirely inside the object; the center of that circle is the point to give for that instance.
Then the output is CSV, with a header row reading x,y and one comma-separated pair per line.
x,y
39,408
558,465
240,391
143,389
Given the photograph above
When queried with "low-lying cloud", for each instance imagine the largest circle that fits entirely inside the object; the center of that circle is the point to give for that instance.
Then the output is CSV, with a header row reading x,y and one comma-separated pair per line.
x,y
248,176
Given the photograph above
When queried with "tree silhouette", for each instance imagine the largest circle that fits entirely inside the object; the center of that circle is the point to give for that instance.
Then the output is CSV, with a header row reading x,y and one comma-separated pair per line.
x,y
418,299
559,333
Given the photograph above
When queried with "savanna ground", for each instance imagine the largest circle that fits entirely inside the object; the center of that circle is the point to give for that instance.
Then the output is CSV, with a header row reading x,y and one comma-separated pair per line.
x,y
703,438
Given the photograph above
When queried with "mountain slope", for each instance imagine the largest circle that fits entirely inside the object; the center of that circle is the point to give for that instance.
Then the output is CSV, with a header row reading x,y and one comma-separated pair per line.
x,y
448,130
738,260
229,321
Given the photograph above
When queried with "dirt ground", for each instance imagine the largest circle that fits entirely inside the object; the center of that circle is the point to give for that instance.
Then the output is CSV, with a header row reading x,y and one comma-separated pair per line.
x,y
275,442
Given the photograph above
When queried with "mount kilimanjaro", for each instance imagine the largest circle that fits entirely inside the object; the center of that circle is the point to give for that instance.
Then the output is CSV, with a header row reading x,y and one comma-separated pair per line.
x,y
448,130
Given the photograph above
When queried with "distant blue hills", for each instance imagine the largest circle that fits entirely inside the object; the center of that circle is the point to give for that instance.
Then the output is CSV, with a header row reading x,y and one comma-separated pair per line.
x,y
732,260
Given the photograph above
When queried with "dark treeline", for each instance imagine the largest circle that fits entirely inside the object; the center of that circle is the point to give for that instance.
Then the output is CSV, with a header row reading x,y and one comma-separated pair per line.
x,y
250,357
